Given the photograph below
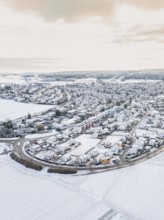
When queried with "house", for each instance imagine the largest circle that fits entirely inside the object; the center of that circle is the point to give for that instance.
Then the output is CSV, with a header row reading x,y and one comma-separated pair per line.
x,y
105,160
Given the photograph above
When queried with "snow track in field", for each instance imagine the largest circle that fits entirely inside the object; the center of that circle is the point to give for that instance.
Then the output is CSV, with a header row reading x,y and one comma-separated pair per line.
x,y
27,194
133,193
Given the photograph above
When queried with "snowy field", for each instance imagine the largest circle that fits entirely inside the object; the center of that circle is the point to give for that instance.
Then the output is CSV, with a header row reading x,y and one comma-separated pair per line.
x,y
86,144
112,80
11,78
4,146
13,110
113,139
26,194
134,193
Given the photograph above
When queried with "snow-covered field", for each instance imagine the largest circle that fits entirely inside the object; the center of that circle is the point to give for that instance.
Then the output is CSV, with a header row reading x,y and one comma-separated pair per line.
x,y
86,143
112,80
27,194
5,147
126,194
113,139
11,78
13,110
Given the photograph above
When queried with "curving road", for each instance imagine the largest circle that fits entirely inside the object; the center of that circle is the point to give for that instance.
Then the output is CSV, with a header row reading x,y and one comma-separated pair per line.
x,y
19,150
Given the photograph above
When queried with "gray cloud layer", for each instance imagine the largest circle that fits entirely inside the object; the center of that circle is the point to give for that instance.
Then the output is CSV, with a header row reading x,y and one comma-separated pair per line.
x,y
146,4
68,10
141,34
71,10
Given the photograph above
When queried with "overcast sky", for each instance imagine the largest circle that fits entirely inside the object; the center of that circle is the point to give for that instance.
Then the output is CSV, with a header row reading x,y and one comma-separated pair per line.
x,y
54,35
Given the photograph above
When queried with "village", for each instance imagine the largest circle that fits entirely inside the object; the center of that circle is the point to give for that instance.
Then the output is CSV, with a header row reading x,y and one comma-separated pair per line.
x,y
90,124
81,109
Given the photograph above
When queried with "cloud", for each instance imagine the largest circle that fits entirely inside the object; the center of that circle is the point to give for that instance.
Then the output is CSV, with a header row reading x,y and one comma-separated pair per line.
x,y
72,10
69,10
142,34
146,4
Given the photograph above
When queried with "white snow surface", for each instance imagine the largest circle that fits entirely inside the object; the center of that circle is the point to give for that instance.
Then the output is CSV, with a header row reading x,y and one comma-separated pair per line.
x,y
126,194
5,146
26,194
113,139
86,144
5,79
42,135
141,133
12,110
